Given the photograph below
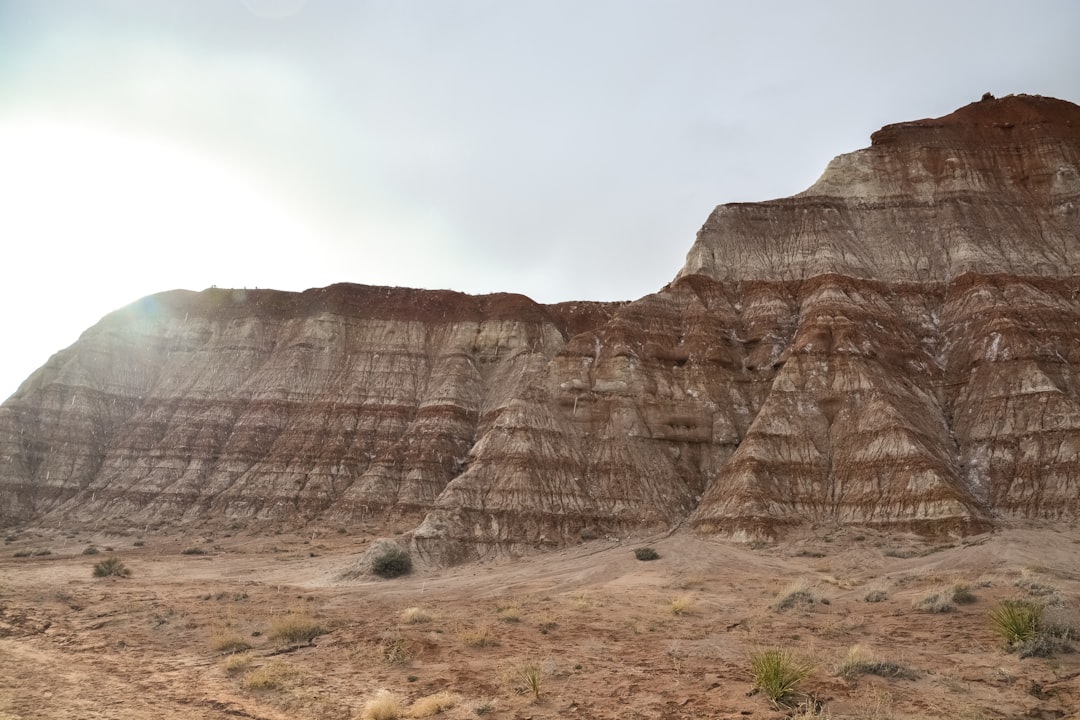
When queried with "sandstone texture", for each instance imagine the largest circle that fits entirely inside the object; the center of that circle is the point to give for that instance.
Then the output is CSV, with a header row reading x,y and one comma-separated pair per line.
x,y
897,346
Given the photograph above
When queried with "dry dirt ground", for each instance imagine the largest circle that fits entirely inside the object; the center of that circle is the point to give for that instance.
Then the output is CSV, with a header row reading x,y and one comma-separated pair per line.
x,y
600,633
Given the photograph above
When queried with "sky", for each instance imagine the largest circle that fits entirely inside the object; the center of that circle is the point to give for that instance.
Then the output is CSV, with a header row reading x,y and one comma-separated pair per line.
x,y
562,149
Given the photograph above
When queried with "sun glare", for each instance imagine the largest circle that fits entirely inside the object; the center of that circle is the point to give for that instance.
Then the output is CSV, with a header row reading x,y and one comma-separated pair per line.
x,y
94,219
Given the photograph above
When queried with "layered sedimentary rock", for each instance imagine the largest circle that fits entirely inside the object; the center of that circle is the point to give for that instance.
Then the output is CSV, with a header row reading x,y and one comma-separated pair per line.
x,y
899,346
348,401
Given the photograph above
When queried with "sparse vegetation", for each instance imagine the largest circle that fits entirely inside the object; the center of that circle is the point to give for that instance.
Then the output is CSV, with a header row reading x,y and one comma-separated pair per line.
x,y
392,649
196,550
269,677
682,605
237,663
533,676
962,595
111,567
392,562
482,706
1019,622
416,615
434,704
646,553
1034,587
859,661
90,550
798,592
295,628
509,610
384,706
939,601
779,674
876,595
227,641
478,636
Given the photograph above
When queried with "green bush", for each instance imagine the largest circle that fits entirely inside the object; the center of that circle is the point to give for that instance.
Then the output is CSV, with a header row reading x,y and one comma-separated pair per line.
x,y
111,567
646,553
393,562
778,674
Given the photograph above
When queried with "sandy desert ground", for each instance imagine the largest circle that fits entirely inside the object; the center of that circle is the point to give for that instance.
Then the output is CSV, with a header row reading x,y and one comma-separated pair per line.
x,y
596,632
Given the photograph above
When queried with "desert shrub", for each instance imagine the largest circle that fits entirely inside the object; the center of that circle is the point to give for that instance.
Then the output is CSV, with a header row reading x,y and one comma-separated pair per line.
x,y
42,551
416,615
778,673
682,605
794,594
237,663
478,637
391,649
939,601
111,567
228,641
196,550
482,707
90,550
434,704
392,562
295,628
646,553
962,595
1035,588
21,553
876,595
860,662
269,677
384,706
510,613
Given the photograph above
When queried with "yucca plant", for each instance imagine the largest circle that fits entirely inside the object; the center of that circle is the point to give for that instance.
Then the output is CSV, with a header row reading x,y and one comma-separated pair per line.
x,y
778,674
1017,621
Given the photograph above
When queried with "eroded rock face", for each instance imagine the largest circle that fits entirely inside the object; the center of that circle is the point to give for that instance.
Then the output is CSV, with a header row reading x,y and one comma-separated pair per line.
x,y
343,402
896,346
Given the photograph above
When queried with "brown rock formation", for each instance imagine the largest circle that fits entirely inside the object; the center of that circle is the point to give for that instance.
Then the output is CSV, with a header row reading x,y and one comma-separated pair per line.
x,y
899,345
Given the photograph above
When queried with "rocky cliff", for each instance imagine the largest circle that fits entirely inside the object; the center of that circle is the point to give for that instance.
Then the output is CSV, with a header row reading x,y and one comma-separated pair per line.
x,y
899,345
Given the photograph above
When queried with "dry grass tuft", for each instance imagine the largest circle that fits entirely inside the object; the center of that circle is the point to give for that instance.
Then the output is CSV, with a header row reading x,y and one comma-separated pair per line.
x,y
683,605
860,661
274,676
295,628
384,706
227,640
434,704
237,663
478,636
779,674
416,616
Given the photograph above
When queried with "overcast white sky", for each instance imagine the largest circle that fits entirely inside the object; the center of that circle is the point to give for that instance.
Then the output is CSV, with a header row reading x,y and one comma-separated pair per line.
x,y
563,149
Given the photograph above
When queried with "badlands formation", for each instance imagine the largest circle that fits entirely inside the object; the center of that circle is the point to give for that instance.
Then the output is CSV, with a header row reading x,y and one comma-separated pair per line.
x,y
849,428
897,347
